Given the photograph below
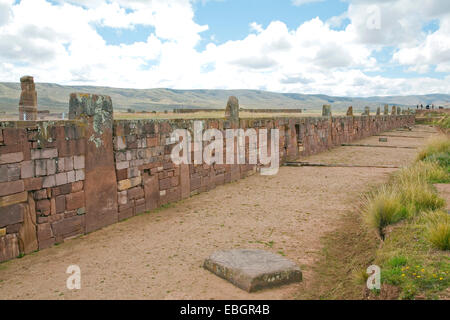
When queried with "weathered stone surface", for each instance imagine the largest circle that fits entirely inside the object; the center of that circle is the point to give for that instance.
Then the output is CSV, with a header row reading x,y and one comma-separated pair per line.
x,y
28,99
326,110
13,199
383,139
252,269
27,232
9,247
7,188
232,109
350,111
99,173
11,214
386,109
75,200
11,157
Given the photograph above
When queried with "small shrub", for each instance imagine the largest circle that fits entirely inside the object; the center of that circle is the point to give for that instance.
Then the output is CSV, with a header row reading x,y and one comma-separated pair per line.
x,y
438,229
435,145
383,207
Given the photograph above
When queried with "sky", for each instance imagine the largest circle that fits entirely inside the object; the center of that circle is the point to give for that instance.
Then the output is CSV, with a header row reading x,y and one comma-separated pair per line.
x,y
334,47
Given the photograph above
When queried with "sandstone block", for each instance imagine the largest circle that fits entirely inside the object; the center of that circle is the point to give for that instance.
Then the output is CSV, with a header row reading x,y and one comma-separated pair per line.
x,y
75,200
78,162
11,214
49,181
9,247
11,157
26,169
32,184
252,270
13,199
124,184
61,178
79,175
8,188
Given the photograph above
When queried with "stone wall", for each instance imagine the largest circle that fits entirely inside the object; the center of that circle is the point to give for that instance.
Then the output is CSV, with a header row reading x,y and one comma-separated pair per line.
x,y
65,178
41,185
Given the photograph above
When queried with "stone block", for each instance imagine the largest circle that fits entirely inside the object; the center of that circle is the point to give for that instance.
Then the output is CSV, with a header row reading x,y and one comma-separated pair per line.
x,y
47,153
252,270
122,197
32,184
9,247
60,202
135,193
11,157
43,205
26,169
27,232
12,214
51,166
75,200
40,168
68,227
78,162
61,165
68,163
13,199
77,186
61,178
79,175
8,188
124,184
71,177
49,181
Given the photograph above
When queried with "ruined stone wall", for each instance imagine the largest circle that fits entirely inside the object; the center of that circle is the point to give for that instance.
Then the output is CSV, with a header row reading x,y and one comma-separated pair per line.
x,y
147,178
63,179
41,185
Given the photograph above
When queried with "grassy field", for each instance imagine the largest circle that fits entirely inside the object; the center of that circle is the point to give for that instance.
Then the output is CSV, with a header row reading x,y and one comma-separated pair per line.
x,y
409,216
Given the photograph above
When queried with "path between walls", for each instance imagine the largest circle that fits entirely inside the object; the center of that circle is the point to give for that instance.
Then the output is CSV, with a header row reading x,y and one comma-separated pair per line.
x,y
159,255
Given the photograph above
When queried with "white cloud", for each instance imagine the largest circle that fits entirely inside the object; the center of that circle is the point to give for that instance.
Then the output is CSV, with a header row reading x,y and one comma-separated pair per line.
x,y
302,2
61,44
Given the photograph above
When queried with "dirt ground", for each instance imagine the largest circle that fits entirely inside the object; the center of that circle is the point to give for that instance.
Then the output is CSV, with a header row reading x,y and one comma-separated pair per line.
x,y
159,255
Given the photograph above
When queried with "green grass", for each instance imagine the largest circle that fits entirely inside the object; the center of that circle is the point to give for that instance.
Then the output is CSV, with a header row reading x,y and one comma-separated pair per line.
x,y
414,254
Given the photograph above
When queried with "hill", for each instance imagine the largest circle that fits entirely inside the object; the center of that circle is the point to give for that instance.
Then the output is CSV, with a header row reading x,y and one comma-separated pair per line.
x,y
55,98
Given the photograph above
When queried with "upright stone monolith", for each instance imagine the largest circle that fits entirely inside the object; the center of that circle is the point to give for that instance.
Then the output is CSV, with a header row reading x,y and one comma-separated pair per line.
x,y
326,110
399,111
386,110
96,112
394,110
350,111
28,99
378,111
366,111
232,110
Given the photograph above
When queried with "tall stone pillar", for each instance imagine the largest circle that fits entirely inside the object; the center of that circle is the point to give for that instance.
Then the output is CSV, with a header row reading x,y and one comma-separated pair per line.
x,y
28,99
326,110
350,111
100,185
232,110
386,110
378,111
366,111
394,110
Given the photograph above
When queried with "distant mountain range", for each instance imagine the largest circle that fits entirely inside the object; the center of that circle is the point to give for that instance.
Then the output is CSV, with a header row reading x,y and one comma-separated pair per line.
x,y
55,98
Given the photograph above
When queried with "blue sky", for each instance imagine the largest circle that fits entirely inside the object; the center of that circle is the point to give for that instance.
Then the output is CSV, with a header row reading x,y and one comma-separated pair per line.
x,y
338,47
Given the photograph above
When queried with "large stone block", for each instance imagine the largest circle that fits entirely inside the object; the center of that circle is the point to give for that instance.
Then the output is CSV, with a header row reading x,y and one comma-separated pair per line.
x,y
13,199
100,184
9,247
11,157
11,214
252,270
7,188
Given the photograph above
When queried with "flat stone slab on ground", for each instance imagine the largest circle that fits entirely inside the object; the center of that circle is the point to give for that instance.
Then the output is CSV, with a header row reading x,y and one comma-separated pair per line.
x,y
251,269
